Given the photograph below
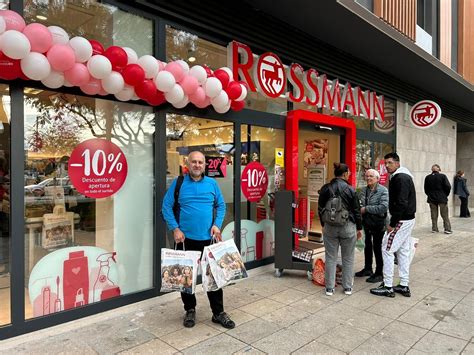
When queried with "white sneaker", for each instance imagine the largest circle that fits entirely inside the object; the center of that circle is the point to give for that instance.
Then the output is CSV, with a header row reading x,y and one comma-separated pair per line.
x,y
348,291
329,291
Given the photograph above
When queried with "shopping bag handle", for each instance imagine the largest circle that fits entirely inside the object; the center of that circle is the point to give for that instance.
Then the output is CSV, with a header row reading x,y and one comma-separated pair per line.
x,y
176,246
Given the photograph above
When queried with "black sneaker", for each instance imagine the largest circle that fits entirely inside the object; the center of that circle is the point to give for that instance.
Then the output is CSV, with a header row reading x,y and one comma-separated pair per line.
x,y
403,290
374,278
190,318
382,290
224,320
448,231
363,273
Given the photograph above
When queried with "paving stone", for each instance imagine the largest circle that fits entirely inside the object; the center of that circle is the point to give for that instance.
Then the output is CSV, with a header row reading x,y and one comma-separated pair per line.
x,y
262,307
187,337
464,311
249,350
440,343
315,325
309,287
156,346
344,338
284,341
312,304
455,327
361,300
288,296
220,344
253,331
389,307
380,345
339,311
468,350
402,333
55,345
369,322
285,316
448,294
318,348
421,318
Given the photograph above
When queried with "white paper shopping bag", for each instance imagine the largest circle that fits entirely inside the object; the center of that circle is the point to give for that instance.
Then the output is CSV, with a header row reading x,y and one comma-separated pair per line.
x,y
179,270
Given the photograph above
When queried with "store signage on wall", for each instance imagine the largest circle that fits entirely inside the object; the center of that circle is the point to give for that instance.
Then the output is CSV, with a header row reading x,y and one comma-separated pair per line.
x,y
280,157
254,181
425,114
268,75
216,167
97,168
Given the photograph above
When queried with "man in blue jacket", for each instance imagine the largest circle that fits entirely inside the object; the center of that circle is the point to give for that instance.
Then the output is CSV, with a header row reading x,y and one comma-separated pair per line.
x,y
194,226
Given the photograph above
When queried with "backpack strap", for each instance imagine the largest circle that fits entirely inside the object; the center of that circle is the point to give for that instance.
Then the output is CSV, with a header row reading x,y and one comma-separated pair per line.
x,y
179,182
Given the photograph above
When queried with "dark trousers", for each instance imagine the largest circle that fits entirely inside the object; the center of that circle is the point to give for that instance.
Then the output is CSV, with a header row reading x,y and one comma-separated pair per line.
x,y
216,298
464,209
443,209
373,245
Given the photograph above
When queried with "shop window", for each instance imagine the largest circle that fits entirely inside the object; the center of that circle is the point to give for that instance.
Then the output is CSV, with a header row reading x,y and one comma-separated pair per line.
x,y
82,247
215,139
380,150
5,237
94,20
363,161
265,146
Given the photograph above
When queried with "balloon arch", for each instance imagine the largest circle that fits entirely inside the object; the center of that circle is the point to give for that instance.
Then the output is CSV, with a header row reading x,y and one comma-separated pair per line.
x,y
46,54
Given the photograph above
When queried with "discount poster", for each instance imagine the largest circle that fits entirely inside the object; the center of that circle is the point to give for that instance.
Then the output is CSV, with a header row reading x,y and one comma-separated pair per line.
x,y
97,168
254,181
315,154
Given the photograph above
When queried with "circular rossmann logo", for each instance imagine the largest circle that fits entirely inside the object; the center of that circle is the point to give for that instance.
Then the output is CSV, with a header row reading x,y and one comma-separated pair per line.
x,y
425,114
271,75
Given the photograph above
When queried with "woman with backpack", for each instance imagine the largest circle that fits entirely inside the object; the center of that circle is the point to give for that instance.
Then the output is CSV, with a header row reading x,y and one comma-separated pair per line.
x,y
460,189
339,212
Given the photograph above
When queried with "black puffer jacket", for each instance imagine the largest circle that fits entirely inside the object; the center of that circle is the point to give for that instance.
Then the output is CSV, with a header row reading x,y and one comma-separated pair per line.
x,y
401,196
349,198
437,188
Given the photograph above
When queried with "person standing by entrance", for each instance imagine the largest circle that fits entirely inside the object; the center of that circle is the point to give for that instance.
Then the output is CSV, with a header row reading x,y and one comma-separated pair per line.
x,y
402,208
374,206
437,188
460,189
194,226
339,213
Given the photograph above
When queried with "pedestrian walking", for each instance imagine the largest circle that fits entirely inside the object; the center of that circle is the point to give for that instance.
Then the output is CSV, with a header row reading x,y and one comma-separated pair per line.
x,y
437,188
193,225
374,205
339,212
461,190
402,208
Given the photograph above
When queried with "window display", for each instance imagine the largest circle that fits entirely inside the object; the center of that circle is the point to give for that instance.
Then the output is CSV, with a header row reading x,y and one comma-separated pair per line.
x,y
88,200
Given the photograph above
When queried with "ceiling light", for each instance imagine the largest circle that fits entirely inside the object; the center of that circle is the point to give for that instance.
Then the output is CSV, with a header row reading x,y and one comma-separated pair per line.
x,y
41,17
191,59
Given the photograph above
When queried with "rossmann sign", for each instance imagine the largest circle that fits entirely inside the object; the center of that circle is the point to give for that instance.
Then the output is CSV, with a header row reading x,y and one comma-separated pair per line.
x,y
267,75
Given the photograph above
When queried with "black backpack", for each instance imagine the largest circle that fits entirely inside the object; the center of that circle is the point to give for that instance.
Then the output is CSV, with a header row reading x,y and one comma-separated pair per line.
x,y
335,212
176,206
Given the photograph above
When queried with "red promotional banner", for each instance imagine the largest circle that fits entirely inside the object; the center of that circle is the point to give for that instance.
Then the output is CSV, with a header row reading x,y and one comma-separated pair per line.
x,y
254,181
97,168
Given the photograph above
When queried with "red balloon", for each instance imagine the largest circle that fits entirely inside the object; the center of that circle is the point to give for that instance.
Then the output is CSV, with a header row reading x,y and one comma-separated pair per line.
x,y
97,47
237,105
117,56
223,77
233,90
9,68
156,99
208,70
133,74
145,90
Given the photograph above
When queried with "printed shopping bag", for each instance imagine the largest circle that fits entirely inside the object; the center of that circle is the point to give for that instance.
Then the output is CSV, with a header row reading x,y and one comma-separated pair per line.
x,y
208,281
318,272
413,246
179,270
58,228
226,262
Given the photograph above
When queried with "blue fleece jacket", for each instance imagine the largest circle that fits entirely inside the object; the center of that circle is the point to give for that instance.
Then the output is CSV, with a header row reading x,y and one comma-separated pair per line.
x,y
197,200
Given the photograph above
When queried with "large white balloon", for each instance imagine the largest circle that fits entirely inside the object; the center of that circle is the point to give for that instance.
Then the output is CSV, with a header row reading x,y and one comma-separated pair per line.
x,y
54,80
213,87
222,109
182,103
99,66
126,94
164,81
15,44
220,100
114,83
131,54
149,65
199,73
59,35
175,95
35,66
67,83
82,49
3,25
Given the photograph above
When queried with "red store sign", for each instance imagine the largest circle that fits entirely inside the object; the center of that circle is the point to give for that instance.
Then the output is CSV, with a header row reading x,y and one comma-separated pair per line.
x,y
268,75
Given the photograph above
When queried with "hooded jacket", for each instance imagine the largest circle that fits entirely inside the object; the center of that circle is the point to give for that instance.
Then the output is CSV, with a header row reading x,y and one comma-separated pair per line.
x,y
437,188
402,196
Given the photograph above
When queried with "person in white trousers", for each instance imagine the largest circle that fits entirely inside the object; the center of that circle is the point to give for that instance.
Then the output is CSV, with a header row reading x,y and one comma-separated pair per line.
x,y
402,208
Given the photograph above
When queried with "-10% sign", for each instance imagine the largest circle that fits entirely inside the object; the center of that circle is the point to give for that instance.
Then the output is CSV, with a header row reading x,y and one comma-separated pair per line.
x,y
97,168
254,181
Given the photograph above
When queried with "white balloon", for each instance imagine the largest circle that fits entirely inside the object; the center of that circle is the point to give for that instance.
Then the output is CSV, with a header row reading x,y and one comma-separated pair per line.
x,y
67,83
175,95
15,44
59,35
149,65
184,65
3,25
82,49
126,94
35,66
54,80
131,54
164,81
222,109
114,83
182,103
228,71
135,97
99,66
220,100
199,73
243,95
213,87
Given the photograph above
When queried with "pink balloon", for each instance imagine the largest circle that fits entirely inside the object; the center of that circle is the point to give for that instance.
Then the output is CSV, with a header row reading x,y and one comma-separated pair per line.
x,y
189,84
198,96
61,57
204,103
39,36
93,87
13,20
176,69
161,65
78,75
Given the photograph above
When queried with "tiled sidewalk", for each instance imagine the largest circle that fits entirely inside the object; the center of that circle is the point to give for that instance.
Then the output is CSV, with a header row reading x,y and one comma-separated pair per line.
x,y
291,315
